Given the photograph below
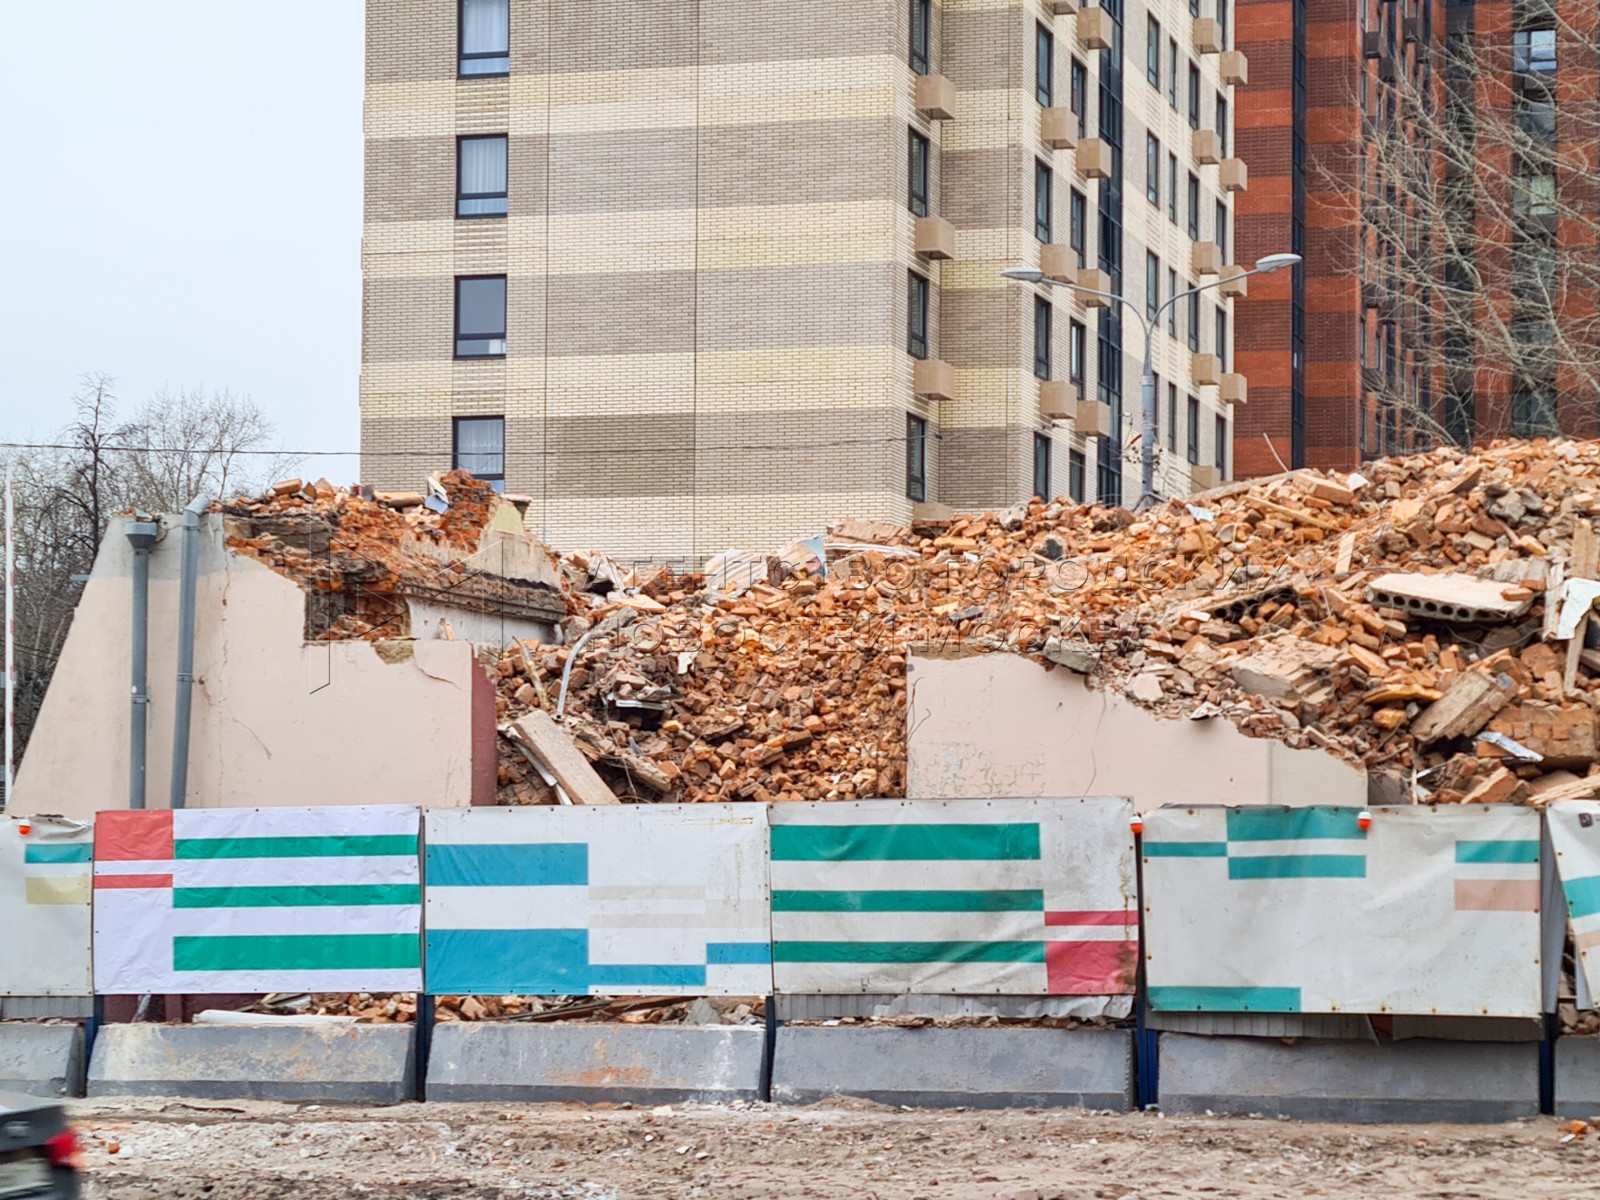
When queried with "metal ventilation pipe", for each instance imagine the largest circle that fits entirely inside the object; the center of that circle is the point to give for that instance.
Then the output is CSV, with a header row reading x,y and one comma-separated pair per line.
x,y
141,536
185,695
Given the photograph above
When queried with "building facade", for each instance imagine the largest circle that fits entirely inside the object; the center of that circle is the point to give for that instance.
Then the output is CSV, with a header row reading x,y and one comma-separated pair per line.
x,y
1436,165
726,271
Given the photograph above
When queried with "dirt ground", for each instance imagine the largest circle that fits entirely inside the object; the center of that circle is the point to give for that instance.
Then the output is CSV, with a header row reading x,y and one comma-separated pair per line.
x,y
170,1150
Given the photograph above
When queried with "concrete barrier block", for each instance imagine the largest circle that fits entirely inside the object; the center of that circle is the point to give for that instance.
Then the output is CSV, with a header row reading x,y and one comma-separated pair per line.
x,y
1339,1080
354,1064
41,1060
980,1067
657,1064
1577,1072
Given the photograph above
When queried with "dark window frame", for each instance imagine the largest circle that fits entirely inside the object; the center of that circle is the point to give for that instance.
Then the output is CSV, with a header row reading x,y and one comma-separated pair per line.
x,y
1152,51
1221,456
1172,417
482,335
463,56
1152,169
466,197
1044,66
1043,329
920,52
1043,200
1078,225
916,458
918,182
1192,202
1193,85
1078,95
1077,353
1172,69
1194,319
1077,475
1192,431
917,308
455,449
1152,285
1042,445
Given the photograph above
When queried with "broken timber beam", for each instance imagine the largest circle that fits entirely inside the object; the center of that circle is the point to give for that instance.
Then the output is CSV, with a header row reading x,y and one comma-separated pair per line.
x,y
538,736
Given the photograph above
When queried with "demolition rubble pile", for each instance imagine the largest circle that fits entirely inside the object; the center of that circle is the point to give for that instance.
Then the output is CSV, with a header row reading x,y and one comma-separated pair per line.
x,y
1408,619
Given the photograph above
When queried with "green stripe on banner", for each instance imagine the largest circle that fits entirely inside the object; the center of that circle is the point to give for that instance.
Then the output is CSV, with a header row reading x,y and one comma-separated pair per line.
x,y
312,896
1497,852
60,852
1020,900
1583,895
853,843
1298,866
1185,849
1225,999
1283,824
355,846
298,952
908,952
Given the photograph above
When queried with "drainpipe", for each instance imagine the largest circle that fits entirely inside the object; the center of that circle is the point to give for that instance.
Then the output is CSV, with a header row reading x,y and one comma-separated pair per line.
x,y
185,693
141,536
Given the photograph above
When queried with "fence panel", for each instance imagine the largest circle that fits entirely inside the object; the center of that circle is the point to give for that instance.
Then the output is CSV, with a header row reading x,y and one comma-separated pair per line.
x,y
1268,909
1031,897
662,899
258,900
1575,835
44,907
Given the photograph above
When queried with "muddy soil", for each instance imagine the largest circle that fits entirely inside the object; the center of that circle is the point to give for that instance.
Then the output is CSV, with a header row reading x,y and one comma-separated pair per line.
x,y
171,1150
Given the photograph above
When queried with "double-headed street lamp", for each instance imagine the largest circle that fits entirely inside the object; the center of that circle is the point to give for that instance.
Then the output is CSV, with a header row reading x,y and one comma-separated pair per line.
x,y
1147,382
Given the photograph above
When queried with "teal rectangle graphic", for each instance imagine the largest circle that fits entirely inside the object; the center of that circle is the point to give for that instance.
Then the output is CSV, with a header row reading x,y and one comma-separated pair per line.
x,y
942,901
1298,866
1583,895
59,852
902,843
1497,852
1225,999
1284,824
1185,849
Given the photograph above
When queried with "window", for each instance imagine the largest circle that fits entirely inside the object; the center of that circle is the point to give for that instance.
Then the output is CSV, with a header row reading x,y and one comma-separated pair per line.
x,y
1222,23
1078,96
921,34
1193,448
917,189
917,317
481,176
1172,309
1076,345
1041,200
1219,221
1194,208
1172,188
1194,96
1222,447
1152,285
1152,51
1534,51
916,458
1194,8
1533,196
481,316
1078,208
1172,417
1194,320
1152,169
1222,124
1077,471
478,445
1041,465
484,36
1219,335
1172,73
1041,337
1045,68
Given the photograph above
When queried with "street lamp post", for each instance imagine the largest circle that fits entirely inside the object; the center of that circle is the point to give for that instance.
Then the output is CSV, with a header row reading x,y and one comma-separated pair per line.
x,y
1147,379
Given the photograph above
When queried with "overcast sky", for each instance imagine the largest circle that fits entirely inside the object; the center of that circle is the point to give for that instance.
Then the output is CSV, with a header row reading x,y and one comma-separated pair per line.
x,y
182,207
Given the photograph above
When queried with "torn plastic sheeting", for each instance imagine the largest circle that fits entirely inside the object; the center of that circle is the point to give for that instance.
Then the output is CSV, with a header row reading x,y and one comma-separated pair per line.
x,y
1577,599
1200,514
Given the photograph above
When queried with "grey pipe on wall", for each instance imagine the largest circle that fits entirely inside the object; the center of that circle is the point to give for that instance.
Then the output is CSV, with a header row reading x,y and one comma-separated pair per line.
x,y
185,694
141,536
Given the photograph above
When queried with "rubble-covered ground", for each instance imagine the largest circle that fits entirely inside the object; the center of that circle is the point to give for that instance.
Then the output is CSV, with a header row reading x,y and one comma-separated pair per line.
x,y
171,1150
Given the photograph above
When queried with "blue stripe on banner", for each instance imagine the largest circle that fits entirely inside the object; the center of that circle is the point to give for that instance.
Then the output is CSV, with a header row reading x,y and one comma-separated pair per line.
x,y
58,852
738,954
532,864
539,962
1265,824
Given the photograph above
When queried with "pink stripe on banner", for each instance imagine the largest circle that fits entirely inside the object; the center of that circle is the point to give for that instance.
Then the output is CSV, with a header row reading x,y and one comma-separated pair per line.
x,y
132,881
1091,968
1118,916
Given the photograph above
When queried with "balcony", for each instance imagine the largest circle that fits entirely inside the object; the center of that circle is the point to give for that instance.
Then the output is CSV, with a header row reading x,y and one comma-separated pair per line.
x,y
1206,369
1207,146
1205,258
1233,389
1058,261
1094,158
934,379
1235,68
1234,284
1058,400
1094,28
1202,477
1093,419
935,238
936,97
1233,175
1061,8
1058,128
1207,36
1095,280
1412,29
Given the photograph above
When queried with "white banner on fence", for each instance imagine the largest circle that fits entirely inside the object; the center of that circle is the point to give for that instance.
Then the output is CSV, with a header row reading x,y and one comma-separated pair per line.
x,y
1270,909
635,899
44,907
1575,836
1032,897
258,900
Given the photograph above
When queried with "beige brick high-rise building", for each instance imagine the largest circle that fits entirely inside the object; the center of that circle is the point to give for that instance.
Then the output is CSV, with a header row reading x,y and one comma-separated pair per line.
x,y
692,274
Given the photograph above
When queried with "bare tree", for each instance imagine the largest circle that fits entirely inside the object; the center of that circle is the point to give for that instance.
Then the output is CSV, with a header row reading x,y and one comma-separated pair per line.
x,y
199,443
1476,206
